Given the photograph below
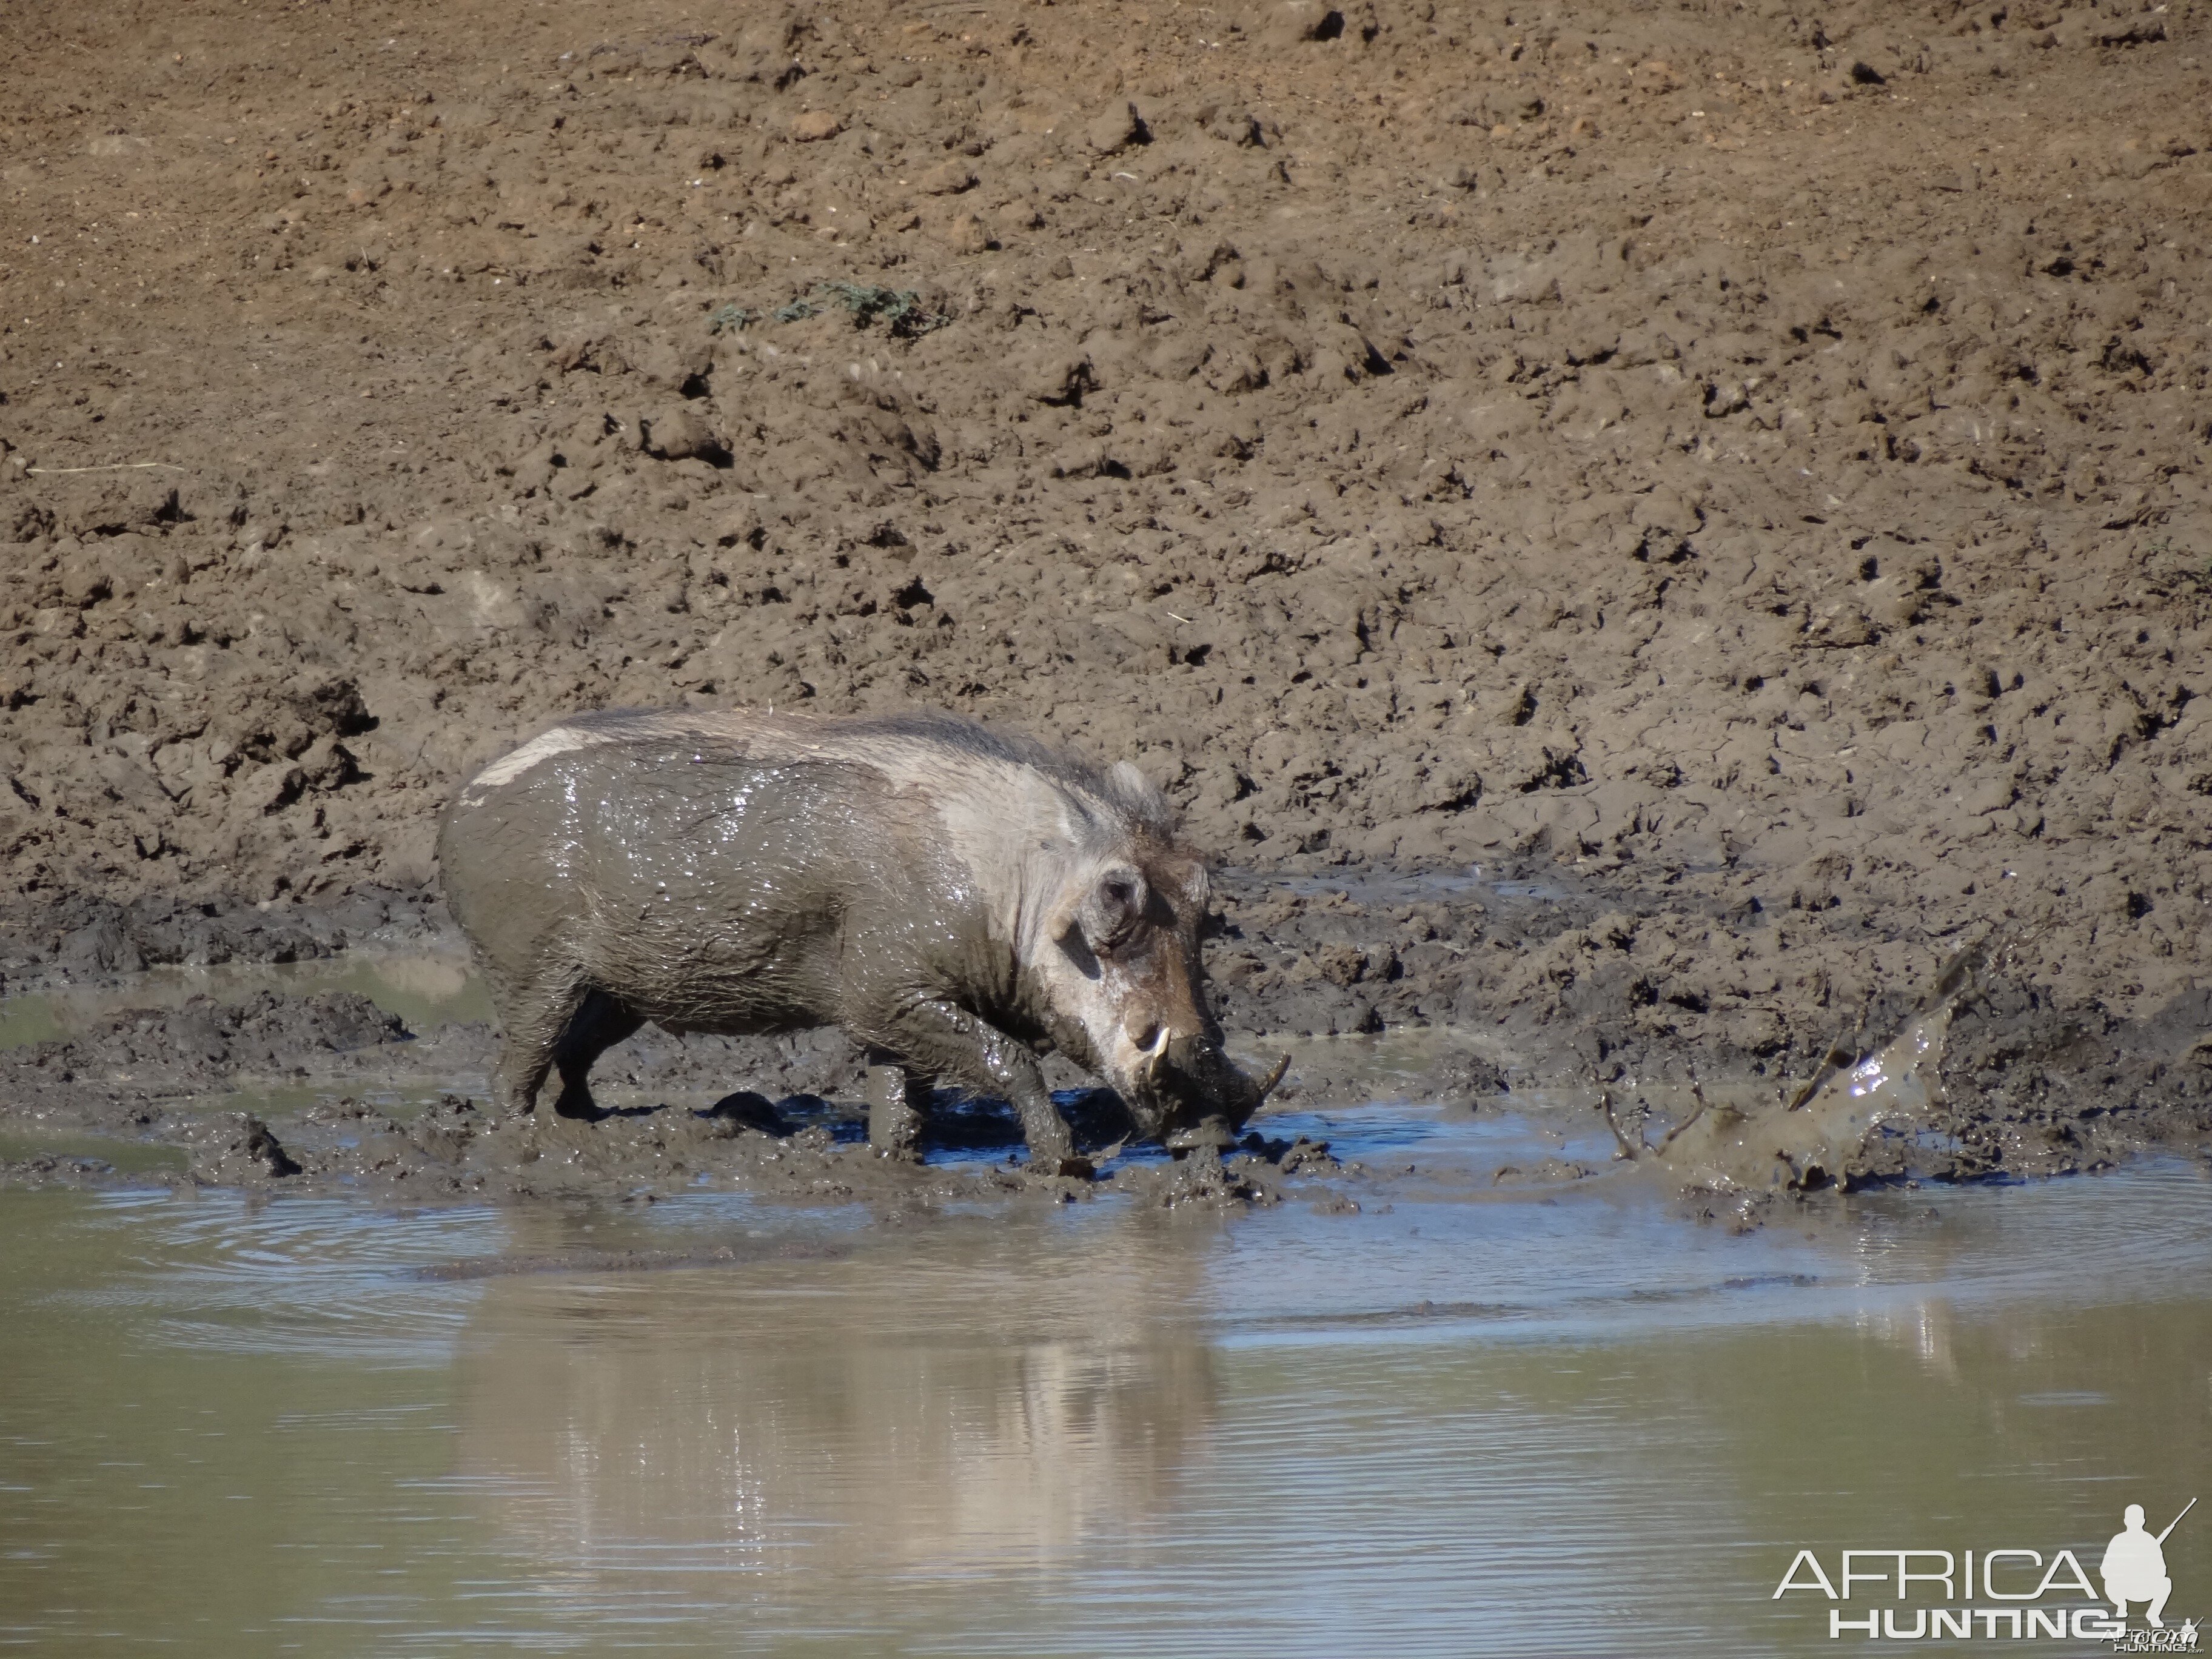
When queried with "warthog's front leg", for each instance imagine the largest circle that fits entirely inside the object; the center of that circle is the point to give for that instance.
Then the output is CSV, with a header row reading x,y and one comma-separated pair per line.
x,y
934,1035
894,1116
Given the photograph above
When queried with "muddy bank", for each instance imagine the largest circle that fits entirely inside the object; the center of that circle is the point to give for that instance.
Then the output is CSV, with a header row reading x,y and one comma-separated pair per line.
x,y
84,937
1762,461
275,1092
1501,994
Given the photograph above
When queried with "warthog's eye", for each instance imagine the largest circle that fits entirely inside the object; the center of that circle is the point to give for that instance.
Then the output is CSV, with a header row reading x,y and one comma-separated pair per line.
x,y
1115,908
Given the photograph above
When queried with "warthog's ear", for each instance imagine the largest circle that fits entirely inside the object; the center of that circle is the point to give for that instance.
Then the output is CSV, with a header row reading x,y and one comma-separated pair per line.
x,y
1110,911
1138,793
1131,780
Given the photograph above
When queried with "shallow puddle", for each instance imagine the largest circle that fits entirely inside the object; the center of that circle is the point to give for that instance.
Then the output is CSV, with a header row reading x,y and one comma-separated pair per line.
x,y
427,989
125,1155
1466,1420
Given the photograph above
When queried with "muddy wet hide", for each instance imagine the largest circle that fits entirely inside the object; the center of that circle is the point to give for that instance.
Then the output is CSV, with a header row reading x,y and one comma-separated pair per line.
x,y
741,873
1819,1137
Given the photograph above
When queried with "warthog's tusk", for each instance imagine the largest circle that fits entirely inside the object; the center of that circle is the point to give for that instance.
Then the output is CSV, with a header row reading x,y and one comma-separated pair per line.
x,y
1273,1078
1157,1053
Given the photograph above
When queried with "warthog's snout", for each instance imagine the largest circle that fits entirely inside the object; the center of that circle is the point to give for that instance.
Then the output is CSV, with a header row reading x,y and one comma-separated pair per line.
x,y
1207,1100
1142,1072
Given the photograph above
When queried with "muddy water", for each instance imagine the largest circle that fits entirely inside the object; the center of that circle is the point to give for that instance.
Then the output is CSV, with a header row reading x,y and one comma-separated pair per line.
x,y
1549,1421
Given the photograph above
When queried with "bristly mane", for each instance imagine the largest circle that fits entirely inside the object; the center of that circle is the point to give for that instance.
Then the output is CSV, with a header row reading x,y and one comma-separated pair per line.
x,y
1122,787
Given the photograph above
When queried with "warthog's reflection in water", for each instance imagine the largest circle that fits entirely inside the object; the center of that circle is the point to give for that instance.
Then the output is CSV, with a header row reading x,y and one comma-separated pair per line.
x,y
957,1395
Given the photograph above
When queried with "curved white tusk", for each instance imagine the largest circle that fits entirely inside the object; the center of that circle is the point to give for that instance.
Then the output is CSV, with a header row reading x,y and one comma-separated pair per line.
x,y
1158,1052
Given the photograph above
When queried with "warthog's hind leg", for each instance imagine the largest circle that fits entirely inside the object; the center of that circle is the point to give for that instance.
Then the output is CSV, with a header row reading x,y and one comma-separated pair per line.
x,y
598,1024
531,1018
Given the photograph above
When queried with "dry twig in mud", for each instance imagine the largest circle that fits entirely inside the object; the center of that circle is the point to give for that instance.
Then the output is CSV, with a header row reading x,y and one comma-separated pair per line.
x,y
1698,1094
1627,1152
112,466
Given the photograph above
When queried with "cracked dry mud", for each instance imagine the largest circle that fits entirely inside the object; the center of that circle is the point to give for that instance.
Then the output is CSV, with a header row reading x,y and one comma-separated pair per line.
x,y
1737,479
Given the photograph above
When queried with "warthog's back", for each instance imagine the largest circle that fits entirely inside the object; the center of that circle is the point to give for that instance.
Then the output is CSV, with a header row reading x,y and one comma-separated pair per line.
x,y
938,751
990,792
717,854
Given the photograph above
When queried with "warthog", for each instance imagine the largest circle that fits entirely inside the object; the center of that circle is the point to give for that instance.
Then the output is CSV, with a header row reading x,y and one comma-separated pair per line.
x,y
957,899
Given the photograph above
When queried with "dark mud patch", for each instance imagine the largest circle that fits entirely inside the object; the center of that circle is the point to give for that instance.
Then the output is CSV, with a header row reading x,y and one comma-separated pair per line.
x,y
81,938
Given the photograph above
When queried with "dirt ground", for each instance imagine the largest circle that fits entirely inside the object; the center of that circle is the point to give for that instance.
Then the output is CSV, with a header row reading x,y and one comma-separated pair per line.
x,y
1739,470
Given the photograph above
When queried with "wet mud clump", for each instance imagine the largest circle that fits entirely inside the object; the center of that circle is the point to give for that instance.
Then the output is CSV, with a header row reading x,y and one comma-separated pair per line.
x,y
1822,1136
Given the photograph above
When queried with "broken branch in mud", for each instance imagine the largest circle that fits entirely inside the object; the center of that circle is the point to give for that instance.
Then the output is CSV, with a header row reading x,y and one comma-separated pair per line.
x,y
1627,1153
1698,1094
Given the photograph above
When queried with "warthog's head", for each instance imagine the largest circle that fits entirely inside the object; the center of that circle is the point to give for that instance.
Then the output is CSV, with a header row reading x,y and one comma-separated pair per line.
x,y
1126,970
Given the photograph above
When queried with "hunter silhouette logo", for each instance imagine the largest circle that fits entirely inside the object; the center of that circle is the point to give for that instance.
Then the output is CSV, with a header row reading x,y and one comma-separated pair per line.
x,y
2134,1568
2003,1595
